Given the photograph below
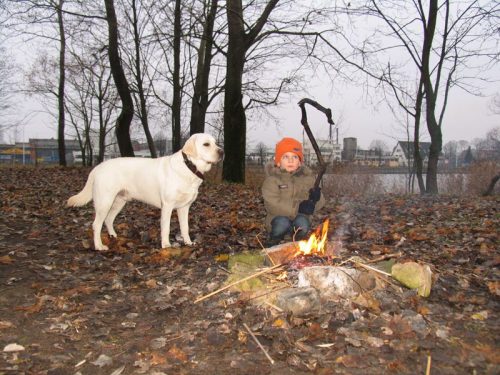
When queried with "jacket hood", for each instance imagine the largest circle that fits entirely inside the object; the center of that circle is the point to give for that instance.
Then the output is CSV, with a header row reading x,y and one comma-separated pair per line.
x,y
273,170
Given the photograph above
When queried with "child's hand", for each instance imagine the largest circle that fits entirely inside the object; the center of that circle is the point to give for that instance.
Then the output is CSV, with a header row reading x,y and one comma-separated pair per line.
x,y
315,194
307,207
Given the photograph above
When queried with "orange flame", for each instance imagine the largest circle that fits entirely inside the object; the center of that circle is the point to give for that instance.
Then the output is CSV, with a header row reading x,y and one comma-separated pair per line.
x,y
316,244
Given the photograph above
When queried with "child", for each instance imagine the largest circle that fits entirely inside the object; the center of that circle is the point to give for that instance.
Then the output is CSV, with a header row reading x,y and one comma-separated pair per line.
x,y
289,196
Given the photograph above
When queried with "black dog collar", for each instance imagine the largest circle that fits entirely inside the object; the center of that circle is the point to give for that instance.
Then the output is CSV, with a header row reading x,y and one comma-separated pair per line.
x,y
192,167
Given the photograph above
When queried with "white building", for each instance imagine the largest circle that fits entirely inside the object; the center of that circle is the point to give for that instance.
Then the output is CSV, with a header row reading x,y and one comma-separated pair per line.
x,y
330,151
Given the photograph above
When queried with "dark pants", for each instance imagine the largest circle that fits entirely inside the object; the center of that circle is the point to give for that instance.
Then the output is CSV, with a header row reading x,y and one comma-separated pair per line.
x,y
282,225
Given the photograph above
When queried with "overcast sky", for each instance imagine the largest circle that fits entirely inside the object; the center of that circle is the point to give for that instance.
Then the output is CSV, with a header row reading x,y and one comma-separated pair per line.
x,y
467,117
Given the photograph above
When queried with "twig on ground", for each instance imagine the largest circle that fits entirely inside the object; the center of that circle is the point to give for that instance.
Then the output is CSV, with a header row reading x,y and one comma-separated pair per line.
x,y
384,257
428,369
274,306
370,268
259,344
238,281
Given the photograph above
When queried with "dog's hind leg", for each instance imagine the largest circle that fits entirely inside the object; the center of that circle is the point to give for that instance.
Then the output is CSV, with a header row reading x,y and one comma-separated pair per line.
x,y
102,207
113,212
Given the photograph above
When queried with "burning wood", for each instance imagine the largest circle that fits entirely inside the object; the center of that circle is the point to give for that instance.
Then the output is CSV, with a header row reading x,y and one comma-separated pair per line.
x,y
313,250
316,244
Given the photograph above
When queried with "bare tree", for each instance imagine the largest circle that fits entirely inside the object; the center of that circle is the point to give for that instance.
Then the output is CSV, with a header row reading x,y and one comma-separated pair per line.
x,y
91,99
201,100
7,91
127,113
62,79
176,100
240,40
440,40
25,17
450,152
138,62
261,150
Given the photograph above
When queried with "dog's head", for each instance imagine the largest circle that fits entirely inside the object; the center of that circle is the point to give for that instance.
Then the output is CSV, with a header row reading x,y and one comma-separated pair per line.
x,y
203,151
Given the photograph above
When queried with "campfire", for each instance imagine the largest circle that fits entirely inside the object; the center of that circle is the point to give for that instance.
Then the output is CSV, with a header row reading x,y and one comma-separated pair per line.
x,y
316,244
313,250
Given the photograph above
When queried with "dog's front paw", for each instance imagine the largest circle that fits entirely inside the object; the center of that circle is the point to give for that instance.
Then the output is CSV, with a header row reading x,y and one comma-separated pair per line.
x,y
165,244
185,240
102,248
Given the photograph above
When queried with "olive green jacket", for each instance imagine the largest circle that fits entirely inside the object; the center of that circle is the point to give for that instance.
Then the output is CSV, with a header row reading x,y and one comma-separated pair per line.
x,y
283,191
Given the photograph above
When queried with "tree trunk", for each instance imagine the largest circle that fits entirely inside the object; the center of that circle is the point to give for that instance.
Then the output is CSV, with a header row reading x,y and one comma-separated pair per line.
x,y
176,101
432,167
233,169
143,112
430,100
60,90
102,128
491,187
235,123
127,113
416,139
199,103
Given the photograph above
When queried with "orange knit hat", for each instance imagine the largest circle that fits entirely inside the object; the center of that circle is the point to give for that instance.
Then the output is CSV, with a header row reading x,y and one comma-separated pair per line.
x,y
288,145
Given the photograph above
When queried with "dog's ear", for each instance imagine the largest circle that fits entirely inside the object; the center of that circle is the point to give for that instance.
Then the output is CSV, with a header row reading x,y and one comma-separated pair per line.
x,y
190,147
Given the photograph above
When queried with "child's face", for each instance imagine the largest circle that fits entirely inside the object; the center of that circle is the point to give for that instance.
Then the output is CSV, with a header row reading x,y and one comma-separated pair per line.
x,y
290,162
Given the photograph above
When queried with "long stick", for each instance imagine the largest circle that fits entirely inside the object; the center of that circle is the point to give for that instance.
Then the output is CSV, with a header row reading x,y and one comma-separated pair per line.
x,y
258,343
303,121
371,268
384,257
237,282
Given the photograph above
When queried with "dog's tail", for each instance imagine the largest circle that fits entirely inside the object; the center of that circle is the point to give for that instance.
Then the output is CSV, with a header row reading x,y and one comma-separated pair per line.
x,y
83,197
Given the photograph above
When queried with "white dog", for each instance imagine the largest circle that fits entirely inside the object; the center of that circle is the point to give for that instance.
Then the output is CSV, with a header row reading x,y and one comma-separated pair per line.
x,y
170,182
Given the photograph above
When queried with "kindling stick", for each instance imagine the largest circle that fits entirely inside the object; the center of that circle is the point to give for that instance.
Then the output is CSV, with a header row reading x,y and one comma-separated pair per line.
x,y
303,121
259,344
238,281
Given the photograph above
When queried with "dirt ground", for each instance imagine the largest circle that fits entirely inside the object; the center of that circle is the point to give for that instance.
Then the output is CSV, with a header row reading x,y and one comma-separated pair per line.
x,y
67,309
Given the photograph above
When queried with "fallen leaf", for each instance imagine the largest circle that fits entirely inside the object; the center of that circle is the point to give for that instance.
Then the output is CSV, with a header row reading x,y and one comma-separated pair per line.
x,y
222,258
31,309
13,348
6,260
103,360
158,359
351,361
368,301
4,324
482,315
178,354
151,283
494,287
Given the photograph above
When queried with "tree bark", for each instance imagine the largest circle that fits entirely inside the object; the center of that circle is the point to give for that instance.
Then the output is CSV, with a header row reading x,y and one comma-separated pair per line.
x,y
491,187
176,101
200,100
127,113
430,101
143,111
60,91
235,124
416,139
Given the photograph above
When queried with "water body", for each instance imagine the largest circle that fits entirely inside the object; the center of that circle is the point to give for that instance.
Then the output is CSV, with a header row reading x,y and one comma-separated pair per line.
x,y
392,183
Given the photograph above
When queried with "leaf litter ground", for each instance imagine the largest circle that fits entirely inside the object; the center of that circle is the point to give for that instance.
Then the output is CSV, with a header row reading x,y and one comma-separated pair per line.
x,y
66,309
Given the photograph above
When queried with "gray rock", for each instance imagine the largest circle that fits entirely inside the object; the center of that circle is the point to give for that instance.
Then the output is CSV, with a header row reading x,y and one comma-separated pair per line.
x,y
331,282
298,301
